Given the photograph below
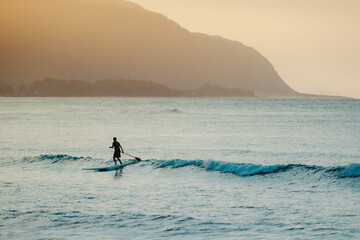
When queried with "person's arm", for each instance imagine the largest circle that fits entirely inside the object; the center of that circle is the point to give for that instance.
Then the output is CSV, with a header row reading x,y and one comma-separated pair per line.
x,y
122,150
112,146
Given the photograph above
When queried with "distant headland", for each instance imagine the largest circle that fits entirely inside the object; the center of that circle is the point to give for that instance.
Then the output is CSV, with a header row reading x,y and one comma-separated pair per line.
x,y
92,40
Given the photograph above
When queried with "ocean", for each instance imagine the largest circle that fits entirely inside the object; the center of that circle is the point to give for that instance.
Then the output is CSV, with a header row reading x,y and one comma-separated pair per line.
x,y
211,168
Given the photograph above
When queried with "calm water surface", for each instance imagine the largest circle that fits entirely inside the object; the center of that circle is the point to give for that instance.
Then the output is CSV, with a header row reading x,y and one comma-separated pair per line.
x,y
211,169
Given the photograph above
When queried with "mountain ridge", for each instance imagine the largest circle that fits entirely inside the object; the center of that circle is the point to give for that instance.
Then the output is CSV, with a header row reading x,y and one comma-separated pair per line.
x,y
119,39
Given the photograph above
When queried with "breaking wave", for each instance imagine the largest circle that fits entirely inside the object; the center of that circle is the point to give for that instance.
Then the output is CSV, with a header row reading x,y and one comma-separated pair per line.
x,y
238,169
46,159
53,158
248,169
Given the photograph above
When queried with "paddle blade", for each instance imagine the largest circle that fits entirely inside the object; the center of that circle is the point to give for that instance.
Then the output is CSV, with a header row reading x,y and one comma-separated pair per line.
x,y
138,159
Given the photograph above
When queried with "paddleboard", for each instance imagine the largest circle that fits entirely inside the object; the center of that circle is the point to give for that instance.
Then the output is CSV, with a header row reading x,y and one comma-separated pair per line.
x,y
112,168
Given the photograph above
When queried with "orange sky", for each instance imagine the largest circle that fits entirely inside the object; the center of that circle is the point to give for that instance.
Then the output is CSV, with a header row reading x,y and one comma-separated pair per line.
x,y
313,44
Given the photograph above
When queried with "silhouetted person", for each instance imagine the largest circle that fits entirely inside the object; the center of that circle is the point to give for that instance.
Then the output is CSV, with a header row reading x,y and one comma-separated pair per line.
x,y
116,145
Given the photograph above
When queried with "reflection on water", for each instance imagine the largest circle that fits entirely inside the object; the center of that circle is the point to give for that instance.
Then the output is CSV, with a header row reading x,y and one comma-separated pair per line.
x,y
118,173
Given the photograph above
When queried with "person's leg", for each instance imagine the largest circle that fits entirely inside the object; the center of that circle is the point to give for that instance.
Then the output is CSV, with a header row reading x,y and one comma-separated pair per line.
x,y
119,160
114,160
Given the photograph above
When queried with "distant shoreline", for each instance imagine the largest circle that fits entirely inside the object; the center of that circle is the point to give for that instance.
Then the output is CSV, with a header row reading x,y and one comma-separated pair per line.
x,y
52,87
306,96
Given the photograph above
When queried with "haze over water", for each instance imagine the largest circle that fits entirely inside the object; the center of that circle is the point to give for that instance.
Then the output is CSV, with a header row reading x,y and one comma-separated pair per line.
x,y
313,44
213,168
276,48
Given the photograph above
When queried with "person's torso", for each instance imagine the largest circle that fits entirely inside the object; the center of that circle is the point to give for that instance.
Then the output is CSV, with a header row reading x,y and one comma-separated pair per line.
x,y
116,145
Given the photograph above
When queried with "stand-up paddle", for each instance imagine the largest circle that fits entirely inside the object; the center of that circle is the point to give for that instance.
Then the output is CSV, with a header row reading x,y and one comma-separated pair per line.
x,y
139,159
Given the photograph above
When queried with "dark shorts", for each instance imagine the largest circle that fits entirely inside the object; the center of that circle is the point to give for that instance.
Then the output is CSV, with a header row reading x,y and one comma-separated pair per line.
x,y
117,153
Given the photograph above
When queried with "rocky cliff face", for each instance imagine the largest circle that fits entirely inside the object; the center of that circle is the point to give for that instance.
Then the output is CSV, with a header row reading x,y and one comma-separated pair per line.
x,y
92,40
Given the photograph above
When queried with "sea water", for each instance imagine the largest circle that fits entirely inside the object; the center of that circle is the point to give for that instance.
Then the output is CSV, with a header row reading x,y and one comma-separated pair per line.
x,y
212,168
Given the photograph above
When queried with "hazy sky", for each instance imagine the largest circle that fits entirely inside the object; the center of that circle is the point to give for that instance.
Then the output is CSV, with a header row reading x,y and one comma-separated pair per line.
x,y
313,44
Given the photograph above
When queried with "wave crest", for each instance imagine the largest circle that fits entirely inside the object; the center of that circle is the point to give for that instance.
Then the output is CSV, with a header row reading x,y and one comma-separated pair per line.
x,y
239,169
352,170
249,169
49,158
